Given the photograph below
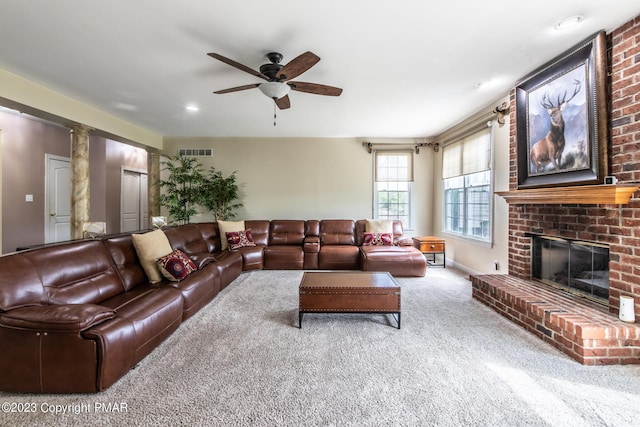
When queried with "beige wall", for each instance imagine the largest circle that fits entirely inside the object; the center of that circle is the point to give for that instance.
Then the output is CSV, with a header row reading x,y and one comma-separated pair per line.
x,y
24,143
20,93
466,254
307,178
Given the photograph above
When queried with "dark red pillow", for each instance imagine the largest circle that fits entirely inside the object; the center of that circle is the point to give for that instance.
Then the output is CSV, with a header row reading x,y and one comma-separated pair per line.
x,y
176,266
240,239
378,239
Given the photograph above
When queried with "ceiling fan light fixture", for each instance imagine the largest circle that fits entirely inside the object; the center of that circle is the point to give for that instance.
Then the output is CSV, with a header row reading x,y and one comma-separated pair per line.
x,y
274,90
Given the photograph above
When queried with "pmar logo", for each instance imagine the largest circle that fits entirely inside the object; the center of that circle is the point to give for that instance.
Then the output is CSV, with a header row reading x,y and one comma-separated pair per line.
x,y
110,407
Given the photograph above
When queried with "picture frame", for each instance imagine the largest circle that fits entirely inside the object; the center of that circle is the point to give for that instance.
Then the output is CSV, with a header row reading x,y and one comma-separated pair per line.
x,y
561,120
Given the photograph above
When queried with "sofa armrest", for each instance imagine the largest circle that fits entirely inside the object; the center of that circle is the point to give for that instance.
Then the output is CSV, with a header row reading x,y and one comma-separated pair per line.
x,y
201,259
67,318
311,244
404,241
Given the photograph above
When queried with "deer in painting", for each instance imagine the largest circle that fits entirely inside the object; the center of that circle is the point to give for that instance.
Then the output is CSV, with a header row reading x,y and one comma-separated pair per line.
x,y
549,149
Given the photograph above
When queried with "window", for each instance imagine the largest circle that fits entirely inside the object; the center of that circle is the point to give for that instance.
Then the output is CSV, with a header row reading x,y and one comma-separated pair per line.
x,y
392,187
466,177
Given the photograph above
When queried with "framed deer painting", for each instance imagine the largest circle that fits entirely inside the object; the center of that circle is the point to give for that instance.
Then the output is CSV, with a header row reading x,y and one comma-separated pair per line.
x,y
561,120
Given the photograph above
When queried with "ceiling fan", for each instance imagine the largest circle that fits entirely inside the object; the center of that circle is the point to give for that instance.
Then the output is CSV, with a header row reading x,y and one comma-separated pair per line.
x,y
278,77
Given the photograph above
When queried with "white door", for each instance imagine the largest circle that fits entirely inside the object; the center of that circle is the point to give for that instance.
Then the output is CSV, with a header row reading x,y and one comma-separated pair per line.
x,y
57,208
133,208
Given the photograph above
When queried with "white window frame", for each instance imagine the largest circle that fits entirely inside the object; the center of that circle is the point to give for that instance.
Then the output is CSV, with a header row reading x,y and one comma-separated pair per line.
x,y
466,178
379,180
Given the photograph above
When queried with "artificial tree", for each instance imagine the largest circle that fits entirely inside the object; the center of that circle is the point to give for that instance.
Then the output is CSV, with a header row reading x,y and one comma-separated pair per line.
x,y
220,195
188,187
182,188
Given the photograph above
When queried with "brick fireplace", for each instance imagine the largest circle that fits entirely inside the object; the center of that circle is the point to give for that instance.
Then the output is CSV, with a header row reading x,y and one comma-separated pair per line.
x,y
590,334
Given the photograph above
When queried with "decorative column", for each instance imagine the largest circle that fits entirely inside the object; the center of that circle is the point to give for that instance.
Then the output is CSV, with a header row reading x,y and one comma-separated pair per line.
x,y
79,179
153,166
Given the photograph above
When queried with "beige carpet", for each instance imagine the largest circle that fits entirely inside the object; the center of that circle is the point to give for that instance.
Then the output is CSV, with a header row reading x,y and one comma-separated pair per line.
x,y
242,361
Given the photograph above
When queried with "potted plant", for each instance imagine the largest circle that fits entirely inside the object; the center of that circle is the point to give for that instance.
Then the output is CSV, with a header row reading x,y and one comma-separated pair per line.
x,y
220,195
182,188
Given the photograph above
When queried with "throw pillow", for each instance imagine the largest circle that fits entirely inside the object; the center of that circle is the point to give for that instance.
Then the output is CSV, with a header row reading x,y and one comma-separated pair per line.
x,y
176,266
379,226
377,239
240,239
149,247
228,226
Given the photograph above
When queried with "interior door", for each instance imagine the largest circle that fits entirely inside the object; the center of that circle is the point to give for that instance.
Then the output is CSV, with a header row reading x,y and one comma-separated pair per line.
x,y
58,199
134,205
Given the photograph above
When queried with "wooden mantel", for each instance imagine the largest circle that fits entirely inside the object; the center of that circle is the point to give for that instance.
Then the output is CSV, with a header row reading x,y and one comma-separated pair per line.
x,y
584,194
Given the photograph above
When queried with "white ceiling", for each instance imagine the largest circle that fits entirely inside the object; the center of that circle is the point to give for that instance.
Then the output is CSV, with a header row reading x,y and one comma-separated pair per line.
x,y
409,68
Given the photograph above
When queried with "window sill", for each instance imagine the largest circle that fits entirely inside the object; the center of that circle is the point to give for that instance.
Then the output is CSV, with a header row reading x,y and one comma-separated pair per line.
x,y
478,242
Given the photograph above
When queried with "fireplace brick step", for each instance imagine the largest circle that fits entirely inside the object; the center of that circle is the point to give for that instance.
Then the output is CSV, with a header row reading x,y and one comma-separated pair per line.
x,y
583,330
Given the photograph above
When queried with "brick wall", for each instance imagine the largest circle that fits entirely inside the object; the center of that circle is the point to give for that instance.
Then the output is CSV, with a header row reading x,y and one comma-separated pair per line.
x,y
616,225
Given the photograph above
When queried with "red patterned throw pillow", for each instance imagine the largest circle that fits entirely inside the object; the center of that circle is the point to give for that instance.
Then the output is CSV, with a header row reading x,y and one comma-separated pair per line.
x,y
176,266
377,239
240,239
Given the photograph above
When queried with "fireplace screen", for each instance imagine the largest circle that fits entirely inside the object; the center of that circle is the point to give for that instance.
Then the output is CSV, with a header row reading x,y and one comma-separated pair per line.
x,y
580,267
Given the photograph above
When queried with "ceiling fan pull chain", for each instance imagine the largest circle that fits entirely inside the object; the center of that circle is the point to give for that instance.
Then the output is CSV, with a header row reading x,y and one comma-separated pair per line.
x,y
274,112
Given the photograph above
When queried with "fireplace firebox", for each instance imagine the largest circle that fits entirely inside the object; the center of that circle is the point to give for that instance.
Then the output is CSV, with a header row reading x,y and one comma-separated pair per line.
x,y
578,267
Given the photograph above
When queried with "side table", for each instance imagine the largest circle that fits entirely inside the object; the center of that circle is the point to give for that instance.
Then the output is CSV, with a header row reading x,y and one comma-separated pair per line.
x,y
431,246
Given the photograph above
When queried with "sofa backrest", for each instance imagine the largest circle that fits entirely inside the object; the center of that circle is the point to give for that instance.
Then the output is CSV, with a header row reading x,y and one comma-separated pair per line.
x,y
210,235
186,238
125,258
259,231
20,285
80,272
286,232
337,232
312,228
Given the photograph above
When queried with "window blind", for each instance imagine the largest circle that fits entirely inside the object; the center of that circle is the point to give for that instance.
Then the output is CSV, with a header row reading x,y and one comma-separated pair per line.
x,y
394,166
468,155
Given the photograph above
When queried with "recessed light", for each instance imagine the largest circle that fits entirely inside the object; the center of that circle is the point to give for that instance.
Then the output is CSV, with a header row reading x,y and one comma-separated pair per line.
x,y
569,22
192,108
126,107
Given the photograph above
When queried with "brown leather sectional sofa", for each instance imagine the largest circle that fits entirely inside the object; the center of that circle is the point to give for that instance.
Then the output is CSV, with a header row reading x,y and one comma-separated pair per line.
x,y
76,317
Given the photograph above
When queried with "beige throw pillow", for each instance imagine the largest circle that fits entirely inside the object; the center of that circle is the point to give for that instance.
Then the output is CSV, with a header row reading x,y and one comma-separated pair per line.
x,y
228,226
150,247
379,226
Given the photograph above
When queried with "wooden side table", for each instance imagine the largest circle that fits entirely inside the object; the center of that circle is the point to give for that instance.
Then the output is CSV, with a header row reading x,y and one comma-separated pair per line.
x,y
431,246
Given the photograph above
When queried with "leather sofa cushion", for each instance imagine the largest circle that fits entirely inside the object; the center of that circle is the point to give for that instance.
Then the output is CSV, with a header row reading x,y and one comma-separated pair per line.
x,y
210,236
74,317
80,272
126,259
259,231
286,232
337,232
21,285
187,238
283,257
339,257
201,259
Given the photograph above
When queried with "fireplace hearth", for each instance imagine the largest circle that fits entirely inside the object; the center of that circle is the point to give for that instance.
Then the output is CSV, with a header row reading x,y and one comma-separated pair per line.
x,y
578,267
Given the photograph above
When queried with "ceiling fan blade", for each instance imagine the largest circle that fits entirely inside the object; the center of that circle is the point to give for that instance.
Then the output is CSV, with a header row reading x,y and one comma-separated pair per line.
x,y
238,88
238,65
297,66
284,102
315,88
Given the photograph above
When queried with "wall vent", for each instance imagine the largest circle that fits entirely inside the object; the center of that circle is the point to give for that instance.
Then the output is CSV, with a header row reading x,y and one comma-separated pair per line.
x,y
195,152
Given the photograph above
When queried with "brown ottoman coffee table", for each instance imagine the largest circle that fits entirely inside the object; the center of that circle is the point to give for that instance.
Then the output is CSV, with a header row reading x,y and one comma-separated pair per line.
x,y
349,292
